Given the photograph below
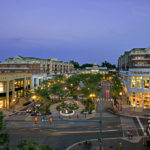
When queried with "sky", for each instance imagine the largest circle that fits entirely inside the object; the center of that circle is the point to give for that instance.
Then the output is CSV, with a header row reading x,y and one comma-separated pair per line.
x,y
85,31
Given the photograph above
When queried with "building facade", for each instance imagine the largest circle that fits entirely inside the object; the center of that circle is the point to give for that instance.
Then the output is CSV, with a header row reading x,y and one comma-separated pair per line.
x,y
135,74
95,69
36,66
12,86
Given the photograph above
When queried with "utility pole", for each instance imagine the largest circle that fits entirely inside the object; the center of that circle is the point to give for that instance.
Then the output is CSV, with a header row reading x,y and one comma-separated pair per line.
x,y
100,128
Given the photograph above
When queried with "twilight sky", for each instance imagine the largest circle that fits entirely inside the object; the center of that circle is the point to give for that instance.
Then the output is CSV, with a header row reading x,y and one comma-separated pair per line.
x,y
81,30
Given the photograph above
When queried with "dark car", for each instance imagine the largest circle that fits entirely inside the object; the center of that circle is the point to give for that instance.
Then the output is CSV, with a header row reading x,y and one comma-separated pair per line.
x,y
29,110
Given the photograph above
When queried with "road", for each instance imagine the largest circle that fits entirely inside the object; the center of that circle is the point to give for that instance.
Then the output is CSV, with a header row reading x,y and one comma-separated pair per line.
x,y
64,133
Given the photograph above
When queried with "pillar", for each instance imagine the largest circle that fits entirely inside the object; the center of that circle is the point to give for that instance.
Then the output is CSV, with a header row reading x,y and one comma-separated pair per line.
x,y
142,101
7,94
25,83
37,82
13,90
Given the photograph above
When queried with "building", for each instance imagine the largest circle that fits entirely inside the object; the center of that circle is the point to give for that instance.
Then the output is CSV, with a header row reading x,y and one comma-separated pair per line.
x,y
134,68
36,66
95,69
12,86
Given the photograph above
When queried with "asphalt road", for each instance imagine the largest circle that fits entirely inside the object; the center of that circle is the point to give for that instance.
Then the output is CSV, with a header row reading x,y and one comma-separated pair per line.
x,y
64,133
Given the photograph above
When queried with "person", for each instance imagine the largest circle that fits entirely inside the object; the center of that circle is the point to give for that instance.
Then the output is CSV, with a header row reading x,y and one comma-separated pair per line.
x,y
128,133
120,145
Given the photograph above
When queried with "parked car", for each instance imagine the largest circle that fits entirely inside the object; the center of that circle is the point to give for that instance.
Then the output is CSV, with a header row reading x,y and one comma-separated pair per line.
x,y
29,110
37,104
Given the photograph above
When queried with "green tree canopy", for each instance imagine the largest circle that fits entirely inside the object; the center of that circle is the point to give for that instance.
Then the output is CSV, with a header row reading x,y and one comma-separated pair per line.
x,y
76,64
4,136
108,65
117,87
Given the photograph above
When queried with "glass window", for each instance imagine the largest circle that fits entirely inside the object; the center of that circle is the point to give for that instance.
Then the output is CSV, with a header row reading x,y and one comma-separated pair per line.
x,y
22,83
132,82
139,82
146,82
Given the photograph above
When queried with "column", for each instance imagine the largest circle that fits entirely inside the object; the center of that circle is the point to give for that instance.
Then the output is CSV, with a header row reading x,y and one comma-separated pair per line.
x,y
25,83
68,68
13,90
37,82
32,83
7,95
62,68
142,101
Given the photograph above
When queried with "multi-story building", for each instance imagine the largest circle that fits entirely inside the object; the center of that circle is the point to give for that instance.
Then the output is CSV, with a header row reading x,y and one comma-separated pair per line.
x,y
36,66
18,72
12,86
134,67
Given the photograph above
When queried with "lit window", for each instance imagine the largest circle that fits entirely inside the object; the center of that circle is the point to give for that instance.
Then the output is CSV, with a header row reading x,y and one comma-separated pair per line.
x,y
132,82
146,82
139,82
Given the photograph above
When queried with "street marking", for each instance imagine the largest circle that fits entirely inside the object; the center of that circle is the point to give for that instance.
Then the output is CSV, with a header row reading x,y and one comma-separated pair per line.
x,y
140,124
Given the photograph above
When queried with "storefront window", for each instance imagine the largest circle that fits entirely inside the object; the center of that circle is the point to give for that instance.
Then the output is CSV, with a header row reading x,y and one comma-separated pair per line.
x,y
2,87
132,82
139,82
146,98
146,82
22,83
139,99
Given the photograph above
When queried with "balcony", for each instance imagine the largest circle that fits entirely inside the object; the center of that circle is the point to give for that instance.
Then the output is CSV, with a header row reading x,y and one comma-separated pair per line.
x,y
141,65
140,58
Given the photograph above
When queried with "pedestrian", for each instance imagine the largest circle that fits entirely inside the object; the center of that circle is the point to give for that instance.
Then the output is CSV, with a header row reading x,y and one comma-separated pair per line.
x,y
77,116
128,133
120,145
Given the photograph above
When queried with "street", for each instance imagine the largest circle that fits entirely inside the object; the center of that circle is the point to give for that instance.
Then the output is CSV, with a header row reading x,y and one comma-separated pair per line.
x,y
63,133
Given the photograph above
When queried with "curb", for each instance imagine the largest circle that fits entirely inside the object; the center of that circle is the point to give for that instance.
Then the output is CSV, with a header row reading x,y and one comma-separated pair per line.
x,y
130,115
69,148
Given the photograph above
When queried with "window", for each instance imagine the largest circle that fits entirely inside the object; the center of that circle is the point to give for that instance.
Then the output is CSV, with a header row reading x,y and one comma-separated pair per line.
x,y
146,82
139,82
132,82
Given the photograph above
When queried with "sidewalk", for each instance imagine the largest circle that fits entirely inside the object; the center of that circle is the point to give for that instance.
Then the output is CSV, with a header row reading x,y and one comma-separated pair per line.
x,y
108,144
129,111
18,107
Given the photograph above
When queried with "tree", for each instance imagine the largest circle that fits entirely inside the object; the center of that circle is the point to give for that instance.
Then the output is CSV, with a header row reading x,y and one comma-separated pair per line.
x,y
76,64
108,65
43,93
58,89
59,78
32,145
117,87
86,65
4,136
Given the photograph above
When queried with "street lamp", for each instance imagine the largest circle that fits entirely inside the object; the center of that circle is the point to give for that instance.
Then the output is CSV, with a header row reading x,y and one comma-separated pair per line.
x,y
34,97
92,96
120,93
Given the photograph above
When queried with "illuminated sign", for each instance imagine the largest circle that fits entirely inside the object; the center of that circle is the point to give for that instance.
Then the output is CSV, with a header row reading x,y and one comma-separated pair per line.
x,y
1,87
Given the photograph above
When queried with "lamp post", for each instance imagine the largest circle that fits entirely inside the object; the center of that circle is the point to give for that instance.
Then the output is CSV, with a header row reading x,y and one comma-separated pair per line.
x,y
120,101
100,128
92,96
